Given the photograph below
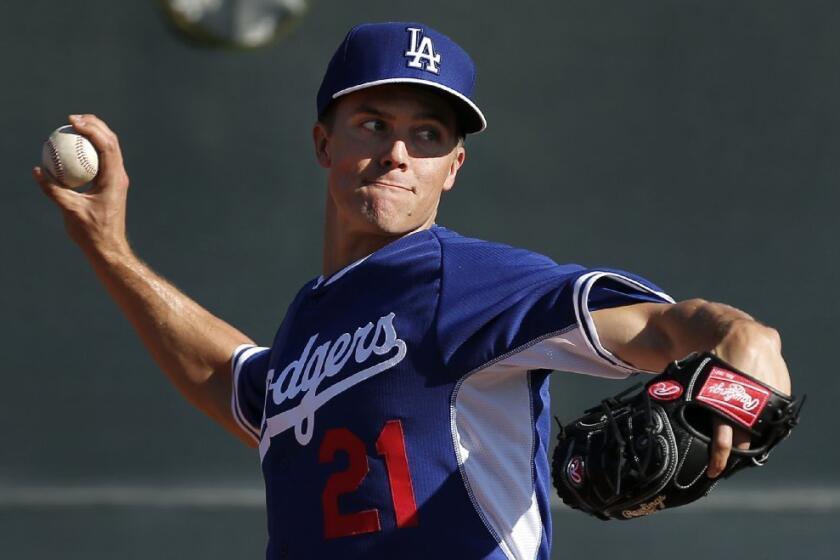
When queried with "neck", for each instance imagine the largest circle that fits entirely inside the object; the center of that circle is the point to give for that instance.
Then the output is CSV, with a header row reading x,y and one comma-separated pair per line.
x,y
345,244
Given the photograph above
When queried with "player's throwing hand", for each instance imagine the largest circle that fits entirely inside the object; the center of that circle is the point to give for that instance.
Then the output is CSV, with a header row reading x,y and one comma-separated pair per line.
x,y
94,219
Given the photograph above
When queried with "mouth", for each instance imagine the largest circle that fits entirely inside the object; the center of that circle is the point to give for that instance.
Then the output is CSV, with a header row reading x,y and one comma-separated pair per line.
x,y
388,185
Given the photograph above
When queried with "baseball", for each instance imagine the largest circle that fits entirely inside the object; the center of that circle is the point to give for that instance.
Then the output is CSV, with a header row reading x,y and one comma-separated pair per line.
x,y
69,158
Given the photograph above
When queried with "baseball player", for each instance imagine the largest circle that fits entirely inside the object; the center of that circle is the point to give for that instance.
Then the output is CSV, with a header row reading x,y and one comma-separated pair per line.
x,y
402,409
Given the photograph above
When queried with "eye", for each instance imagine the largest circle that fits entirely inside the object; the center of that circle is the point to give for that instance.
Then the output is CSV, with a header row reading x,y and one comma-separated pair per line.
x,y
373,125
429,135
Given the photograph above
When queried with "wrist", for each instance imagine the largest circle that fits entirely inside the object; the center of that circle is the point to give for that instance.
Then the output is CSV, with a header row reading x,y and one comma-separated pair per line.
x,y
757,350
747,336
108,253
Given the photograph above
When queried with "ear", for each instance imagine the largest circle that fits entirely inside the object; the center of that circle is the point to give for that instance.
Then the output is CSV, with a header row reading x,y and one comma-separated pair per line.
x,y
321,138
458,159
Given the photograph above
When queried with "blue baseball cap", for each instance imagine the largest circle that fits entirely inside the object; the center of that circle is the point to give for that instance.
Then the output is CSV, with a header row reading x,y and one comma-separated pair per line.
x,y
374,54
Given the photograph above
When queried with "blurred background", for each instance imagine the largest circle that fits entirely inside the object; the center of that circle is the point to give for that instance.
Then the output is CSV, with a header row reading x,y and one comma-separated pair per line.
x,y
693,142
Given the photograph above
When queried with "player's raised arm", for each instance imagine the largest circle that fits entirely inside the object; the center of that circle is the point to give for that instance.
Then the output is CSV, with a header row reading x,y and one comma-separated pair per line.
x,y
650,335
192,346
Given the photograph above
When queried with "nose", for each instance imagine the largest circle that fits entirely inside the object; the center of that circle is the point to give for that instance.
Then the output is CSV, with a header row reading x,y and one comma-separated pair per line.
x,y
395,156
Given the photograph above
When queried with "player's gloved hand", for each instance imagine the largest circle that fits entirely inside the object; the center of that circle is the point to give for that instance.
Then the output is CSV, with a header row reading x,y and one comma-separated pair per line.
x,y
94,219
647,449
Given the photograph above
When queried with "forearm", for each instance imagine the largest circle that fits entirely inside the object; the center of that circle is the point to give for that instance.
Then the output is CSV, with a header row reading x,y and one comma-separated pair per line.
x,y
190,345
649,336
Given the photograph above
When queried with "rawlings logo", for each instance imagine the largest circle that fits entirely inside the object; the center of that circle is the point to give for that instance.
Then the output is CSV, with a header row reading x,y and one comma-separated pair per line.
x,y
574,470
734,395
305,375
734,392
665,390
645,509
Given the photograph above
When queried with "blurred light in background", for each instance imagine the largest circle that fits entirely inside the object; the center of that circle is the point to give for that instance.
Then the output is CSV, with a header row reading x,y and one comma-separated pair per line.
x,y
233,23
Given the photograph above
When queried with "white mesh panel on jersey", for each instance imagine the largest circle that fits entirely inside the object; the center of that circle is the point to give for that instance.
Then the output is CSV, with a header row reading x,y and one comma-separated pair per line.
x,y
493,431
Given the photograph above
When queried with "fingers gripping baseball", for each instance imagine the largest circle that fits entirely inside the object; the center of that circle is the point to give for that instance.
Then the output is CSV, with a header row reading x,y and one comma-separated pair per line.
x,y
94,219
65,198
112,172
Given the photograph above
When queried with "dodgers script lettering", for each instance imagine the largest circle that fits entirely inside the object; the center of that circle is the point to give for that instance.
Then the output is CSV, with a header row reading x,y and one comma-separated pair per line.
x,y
304,375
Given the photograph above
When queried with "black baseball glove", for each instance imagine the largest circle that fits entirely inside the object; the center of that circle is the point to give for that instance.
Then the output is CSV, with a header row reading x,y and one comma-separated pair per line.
x,y
635,454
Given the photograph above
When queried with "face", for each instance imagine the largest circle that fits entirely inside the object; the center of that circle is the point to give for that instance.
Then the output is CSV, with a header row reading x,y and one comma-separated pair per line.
x,y
390,152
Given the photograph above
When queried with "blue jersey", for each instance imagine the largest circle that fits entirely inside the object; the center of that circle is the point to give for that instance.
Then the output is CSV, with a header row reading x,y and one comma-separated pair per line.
x,y
403,409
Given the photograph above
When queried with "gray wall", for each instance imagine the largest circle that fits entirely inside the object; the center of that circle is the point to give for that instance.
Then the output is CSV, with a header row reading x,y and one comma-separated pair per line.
x,y
692,142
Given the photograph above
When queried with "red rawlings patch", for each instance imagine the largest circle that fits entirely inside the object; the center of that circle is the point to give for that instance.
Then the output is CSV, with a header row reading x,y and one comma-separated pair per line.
x,y
574,470
667,390
734,395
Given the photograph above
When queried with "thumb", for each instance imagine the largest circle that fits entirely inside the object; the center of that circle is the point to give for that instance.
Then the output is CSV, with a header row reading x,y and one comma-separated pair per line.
x,y
65,198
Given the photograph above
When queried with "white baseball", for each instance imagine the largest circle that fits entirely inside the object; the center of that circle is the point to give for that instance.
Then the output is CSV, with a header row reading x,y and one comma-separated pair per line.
x,y
69,158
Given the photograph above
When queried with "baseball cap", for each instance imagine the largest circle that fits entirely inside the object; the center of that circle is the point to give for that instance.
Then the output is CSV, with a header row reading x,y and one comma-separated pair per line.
x,y
374,54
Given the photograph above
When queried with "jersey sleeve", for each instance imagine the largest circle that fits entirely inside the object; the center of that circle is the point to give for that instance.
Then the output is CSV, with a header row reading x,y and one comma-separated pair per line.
x,y
250,372
605,289
500,304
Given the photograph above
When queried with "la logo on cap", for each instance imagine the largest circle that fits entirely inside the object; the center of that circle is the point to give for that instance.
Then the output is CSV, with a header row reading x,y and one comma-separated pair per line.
x,y
422,51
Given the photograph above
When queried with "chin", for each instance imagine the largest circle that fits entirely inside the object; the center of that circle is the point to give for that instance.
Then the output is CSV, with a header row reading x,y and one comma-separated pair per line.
x,y
390,228
385,221
382,216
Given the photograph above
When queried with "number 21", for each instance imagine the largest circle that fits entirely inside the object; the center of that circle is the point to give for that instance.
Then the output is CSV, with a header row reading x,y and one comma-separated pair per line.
x,y
391,445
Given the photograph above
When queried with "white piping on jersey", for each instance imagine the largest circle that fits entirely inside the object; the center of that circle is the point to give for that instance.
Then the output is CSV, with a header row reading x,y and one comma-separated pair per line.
x,y
582,288
339,274
242,354
351,266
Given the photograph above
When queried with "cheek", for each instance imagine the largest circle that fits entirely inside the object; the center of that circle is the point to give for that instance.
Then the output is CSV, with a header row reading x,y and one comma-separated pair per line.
x,y
348,167
434,172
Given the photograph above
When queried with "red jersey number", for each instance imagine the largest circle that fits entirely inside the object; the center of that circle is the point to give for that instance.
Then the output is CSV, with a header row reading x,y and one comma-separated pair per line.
x,y
391,445
337,524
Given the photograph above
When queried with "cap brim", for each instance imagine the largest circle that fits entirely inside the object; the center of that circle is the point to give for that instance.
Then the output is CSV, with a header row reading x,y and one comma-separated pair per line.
x,y
473,119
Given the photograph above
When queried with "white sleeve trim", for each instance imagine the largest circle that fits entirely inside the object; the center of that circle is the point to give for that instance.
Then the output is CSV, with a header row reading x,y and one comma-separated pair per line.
x,y
582,288
241,355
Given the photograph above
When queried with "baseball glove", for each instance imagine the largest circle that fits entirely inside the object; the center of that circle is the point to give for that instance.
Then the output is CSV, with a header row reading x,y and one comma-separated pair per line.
x,y
635,454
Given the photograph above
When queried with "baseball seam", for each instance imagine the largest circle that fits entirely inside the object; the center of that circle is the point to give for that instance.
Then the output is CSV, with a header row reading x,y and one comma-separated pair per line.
x,y
82,156
58,168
